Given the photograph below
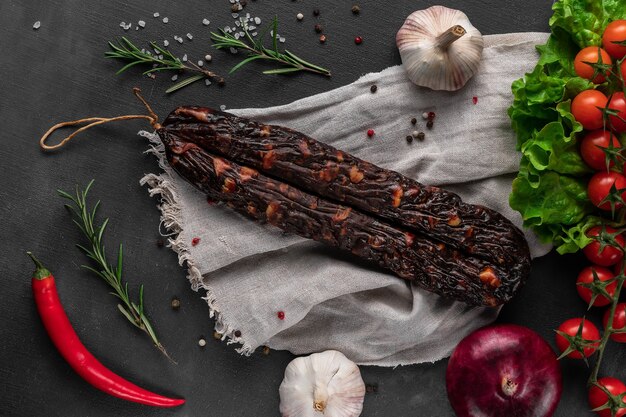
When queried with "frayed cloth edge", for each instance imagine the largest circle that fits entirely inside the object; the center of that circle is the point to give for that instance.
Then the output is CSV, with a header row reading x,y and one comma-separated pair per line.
x,y
164,186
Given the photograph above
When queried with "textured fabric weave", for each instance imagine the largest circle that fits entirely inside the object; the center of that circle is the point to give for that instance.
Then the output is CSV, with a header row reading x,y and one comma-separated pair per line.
x,y
331,300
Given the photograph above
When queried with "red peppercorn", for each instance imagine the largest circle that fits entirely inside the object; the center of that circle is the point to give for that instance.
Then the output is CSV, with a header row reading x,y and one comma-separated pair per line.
x,y
281,315
431,115
370,132
475,100
195,241
358,40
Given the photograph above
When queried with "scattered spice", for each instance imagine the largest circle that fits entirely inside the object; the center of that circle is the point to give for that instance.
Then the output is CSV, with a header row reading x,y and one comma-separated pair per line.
x,y
356,9
413,121
281,315
431,115
175,303
371,388
266,350
323,39
160,243
374,88
316,12
475,100
234,8
370,132
358,40
217,335
299,16
237,333
409,138
421,136
318,28
221,82
429,124
201,342
195,241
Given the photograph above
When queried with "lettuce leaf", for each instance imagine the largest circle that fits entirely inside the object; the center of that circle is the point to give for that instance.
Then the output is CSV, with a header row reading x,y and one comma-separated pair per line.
x,y
550,188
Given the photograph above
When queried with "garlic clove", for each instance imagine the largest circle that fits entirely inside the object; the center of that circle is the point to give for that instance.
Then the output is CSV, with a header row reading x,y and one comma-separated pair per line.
x,y
440,48
323,384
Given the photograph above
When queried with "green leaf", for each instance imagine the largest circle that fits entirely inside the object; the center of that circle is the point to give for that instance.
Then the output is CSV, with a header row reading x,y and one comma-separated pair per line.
x,y
244,62
118,270
128,316
281,71
184,83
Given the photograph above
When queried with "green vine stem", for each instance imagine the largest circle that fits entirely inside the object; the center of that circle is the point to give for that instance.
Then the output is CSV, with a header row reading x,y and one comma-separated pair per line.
x,y
84,218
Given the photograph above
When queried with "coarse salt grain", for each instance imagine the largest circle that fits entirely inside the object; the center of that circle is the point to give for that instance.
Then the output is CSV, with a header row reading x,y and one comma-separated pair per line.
x,y
207,82
425,115
201,342
156,14
257,20
208,58
174,77
200,63
166,42
142,24
189,36
165,20
233,50
223,107
185,58
299,16
281,39
206,22
36,25
179,39
235,15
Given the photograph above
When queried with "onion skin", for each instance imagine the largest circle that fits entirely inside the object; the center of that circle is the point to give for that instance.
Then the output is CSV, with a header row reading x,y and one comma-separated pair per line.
x,y
504,370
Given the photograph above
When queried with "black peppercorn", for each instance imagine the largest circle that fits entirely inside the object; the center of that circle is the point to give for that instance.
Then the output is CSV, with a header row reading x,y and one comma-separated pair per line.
x,y
237,333
318,28
421,136
374,88
356,9
316,12
413,121
221,82
175,303
409,138
266,350
429,124
234,8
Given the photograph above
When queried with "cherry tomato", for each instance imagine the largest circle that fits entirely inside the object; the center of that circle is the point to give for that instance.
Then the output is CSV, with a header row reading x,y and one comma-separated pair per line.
x,y
591,54
591,148
570,327
618,102
600,186
619,322
586,277
609,255
597,397
586,108
615,32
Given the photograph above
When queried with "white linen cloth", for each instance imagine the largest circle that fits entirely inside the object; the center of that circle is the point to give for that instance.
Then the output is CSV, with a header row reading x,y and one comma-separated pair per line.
x,y
331,300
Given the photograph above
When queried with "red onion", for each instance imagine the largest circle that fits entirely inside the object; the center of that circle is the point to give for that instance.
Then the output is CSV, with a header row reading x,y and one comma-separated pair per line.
x,y
503,370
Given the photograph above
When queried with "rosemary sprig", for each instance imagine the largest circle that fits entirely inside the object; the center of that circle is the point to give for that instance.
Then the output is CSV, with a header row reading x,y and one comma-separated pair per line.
x,y
288,61
163,61
84,218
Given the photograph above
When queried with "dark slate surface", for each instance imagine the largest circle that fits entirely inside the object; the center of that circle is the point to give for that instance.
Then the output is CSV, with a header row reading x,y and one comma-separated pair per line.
x,y
58,73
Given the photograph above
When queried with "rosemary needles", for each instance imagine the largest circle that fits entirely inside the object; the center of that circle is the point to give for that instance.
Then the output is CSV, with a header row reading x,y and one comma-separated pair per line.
x,y
84,218
162,60
287,61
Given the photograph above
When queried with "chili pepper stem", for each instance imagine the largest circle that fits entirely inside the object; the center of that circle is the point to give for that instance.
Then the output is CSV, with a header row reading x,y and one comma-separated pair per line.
x,y
40,271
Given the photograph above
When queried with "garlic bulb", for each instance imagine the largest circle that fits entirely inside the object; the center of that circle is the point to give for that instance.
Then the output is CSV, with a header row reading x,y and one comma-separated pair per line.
x,y
323,384
440,48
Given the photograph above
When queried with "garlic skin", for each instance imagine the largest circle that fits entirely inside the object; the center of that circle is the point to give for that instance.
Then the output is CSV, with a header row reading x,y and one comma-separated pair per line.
x,y
325,384
440,48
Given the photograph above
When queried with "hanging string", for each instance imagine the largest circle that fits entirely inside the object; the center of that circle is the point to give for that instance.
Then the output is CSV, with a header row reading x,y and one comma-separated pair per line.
x,y
95,121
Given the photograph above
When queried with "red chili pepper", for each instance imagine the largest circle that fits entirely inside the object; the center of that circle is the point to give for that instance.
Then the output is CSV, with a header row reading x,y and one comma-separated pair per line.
x,y
76,354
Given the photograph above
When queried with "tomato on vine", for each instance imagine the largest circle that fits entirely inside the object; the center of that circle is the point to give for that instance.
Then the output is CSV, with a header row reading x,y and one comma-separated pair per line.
x,y
576,335
607,255
617,104
593,145
598,398
587,277
600,189
587,108
614,34
583,63
619,322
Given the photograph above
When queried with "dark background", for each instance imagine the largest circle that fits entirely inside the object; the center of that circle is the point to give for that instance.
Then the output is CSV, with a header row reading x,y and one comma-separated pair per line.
x,y
58,73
